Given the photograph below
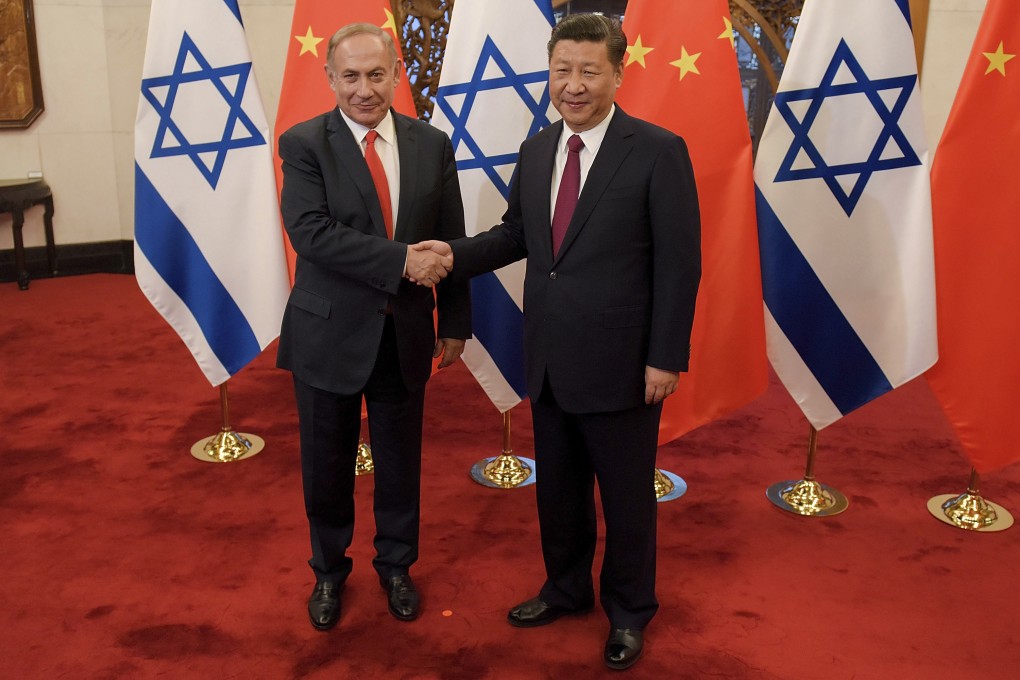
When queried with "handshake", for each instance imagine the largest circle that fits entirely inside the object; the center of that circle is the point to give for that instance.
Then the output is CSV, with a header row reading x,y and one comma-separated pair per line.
x,y
428,262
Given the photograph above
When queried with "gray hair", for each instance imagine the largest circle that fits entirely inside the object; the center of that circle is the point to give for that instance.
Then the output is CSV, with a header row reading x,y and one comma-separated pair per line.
x,y
354,29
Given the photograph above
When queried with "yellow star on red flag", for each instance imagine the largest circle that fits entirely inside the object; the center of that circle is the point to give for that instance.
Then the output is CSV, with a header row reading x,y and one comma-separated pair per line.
x,y
636,53
686,63
308,42
727,33
390,23
997,60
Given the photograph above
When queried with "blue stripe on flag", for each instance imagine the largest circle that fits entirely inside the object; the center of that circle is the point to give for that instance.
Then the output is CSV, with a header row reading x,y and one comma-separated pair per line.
x,y
811,319
545,6
904,6
175,256
499,326
232,6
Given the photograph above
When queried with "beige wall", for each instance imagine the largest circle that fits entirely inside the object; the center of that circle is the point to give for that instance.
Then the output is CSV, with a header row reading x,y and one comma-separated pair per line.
x,y
952,25
91,54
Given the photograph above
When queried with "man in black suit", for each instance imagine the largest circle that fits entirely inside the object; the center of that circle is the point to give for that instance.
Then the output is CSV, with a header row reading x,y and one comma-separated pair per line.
x,y
360,182
608,307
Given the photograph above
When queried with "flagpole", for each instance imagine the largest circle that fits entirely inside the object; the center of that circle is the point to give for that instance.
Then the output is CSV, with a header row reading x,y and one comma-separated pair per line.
x,y
807,497
505,471
969,510
227,446
363,464
668,486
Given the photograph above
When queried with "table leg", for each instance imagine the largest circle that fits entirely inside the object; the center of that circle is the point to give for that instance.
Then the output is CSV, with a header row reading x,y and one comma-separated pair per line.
x,y
51,248
19,247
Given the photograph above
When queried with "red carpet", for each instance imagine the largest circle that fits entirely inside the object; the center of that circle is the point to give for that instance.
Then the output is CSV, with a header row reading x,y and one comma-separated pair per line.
x,y
124,557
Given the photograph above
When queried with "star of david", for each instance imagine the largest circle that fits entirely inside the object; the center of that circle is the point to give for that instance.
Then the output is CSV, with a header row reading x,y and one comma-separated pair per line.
x,y
237,130
891,138
507,79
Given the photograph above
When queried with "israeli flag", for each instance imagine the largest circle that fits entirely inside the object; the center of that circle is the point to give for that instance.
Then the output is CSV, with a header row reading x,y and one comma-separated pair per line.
x,y
208,239
844,211
493,94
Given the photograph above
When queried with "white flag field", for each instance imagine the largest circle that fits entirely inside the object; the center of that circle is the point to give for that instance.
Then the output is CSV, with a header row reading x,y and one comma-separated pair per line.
x,y
493,94
208,240
844,211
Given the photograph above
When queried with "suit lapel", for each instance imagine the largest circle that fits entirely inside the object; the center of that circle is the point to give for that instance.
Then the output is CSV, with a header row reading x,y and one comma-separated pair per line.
x,y
614,149
407,151
540,183
348,151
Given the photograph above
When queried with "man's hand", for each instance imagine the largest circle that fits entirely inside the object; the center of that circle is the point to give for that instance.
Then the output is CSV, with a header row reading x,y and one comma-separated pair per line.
x,y
426,266
448,348
659,384
440,248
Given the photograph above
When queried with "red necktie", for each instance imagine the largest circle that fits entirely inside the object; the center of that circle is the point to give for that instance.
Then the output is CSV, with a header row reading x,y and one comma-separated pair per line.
x,y
382,187
566,197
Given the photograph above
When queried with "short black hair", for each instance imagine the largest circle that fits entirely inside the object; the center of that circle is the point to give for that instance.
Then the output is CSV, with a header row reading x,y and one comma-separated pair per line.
x,y
596,28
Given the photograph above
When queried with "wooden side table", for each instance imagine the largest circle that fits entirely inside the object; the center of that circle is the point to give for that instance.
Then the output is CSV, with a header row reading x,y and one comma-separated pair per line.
x,y
17,196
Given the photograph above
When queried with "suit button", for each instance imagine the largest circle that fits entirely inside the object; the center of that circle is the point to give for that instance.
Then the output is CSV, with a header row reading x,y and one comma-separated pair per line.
x,y
552,275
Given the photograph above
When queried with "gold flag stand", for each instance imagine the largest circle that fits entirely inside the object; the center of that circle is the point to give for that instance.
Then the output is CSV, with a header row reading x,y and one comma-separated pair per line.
x,y
969,510
505,471
808,497
226,446
668,486
363,464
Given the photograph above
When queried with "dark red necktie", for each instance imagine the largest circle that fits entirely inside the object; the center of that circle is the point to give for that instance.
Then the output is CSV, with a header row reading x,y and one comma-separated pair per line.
x,y
382,187
566,197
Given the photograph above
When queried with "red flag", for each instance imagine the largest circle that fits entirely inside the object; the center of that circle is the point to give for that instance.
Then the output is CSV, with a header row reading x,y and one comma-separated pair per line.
x,y
681,73
976,214
305,92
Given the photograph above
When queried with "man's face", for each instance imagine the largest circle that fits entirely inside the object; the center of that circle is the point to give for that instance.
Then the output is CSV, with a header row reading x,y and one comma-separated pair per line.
x,y
583,82
363,76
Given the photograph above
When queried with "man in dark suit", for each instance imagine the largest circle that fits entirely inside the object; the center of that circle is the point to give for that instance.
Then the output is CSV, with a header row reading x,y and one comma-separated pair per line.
x,y
608,307
360,182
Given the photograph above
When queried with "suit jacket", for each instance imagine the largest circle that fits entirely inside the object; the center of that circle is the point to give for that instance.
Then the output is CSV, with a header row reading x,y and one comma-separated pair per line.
x,y
348,274
620,293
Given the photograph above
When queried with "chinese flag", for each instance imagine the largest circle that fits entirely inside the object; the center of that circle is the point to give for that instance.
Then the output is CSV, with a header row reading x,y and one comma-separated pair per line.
x,y
976,212
681,73
305,92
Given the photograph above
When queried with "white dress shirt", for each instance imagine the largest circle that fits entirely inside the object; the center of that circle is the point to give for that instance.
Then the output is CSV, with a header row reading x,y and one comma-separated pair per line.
x,y
386,147
592,142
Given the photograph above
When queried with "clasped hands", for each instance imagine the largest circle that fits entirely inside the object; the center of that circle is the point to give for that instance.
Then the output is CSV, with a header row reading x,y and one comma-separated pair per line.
x,y
428,262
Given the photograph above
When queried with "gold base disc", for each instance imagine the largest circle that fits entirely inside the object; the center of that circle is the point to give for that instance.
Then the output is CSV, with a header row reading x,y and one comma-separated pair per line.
x,y
226,447
668,486
363,464
504,472
807,498
970,512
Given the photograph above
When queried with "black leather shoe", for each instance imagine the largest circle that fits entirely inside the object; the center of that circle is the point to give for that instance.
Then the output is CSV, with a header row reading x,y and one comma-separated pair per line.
x,y
404,600
538,612
324,605
623,648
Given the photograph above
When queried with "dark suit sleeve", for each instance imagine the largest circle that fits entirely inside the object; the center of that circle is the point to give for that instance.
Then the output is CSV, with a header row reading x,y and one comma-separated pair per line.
x,y
320,238
453,297
676,230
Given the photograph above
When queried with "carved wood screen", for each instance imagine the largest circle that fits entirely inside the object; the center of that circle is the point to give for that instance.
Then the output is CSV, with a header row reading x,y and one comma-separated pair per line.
x,y
424,25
